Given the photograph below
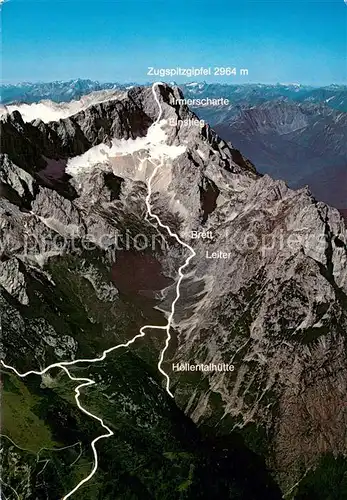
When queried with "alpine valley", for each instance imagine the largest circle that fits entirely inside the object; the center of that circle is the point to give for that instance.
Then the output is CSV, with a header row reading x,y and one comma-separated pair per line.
x,y
77,178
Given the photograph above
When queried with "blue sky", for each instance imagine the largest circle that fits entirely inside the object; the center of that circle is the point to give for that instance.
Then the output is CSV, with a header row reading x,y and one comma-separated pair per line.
x,y
277,41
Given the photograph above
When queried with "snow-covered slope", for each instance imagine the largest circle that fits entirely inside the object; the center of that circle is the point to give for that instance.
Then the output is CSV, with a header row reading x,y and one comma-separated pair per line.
x,y
47,110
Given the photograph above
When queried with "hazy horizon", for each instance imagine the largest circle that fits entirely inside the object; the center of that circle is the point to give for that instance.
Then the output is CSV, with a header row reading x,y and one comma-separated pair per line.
x,y
116,81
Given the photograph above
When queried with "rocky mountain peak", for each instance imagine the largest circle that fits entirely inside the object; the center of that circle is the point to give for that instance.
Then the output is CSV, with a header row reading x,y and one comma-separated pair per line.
x,y
266,290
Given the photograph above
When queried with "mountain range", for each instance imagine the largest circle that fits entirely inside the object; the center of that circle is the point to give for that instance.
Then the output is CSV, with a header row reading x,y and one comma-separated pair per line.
x,y
299,143
292,132
249,94
266,292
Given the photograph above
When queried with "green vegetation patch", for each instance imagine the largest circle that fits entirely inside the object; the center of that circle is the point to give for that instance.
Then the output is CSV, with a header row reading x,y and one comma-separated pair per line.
x,y
327,482
19,420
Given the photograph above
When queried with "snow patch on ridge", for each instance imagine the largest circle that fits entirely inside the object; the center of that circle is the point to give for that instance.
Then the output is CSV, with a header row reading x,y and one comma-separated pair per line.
x,y
49,111
155,142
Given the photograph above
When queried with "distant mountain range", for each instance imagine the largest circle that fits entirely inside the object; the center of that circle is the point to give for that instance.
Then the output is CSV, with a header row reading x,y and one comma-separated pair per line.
x,y
57,91
291,131
335,96
301,143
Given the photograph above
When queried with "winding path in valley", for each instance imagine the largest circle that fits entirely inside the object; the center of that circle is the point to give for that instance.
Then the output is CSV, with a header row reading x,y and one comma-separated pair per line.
x,y
86,382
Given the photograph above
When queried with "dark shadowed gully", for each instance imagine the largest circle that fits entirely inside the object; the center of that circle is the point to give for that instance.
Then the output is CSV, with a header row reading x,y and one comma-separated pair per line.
x,y
135,272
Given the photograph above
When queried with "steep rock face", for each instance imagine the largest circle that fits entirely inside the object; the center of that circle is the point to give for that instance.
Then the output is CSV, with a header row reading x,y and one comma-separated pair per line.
x,y
279,315
266,290
28,142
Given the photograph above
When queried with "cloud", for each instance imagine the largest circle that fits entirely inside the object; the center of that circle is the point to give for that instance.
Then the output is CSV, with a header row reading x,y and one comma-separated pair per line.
x,y
51,111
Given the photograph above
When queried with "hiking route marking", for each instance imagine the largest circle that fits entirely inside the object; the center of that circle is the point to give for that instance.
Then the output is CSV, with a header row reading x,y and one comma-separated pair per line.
x,y
86,382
